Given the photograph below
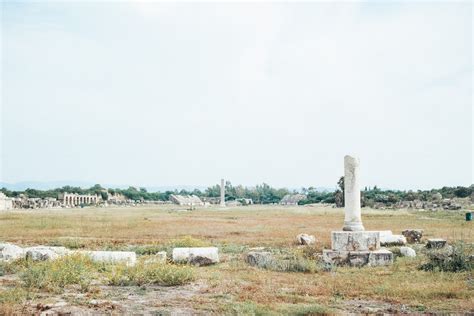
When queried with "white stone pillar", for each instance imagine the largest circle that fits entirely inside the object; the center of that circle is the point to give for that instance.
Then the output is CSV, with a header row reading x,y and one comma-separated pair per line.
x,y
222,193
352,220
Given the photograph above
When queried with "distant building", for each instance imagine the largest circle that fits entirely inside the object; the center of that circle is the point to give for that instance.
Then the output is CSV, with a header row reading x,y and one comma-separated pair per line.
x,y
74,199
6,203
188,200
292,199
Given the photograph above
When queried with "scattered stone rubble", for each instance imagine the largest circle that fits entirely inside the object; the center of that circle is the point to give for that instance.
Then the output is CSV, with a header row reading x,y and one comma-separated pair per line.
x,y
200,256
387,238
413,235
43,253
407,252
23,202
10,252
292,199
305,239
259,258
433,205
436,243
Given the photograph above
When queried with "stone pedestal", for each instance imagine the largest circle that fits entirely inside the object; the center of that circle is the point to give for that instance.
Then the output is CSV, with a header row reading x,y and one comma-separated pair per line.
x,y
357,249
355,241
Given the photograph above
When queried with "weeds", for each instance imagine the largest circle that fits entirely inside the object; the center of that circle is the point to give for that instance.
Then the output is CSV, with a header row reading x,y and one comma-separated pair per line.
x,y
152,273
307,310
12,300
146,249
461,259
53,276
291,263
12,296
71,243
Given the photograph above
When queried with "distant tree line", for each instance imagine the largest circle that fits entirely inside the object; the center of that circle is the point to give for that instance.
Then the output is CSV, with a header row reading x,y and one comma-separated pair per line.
x,y
375,194
370,196
260,194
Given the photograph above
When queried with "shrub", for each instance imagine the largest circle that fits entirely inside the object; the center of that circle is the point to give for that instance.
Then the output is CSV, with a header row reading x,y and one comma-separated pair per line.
x,y
11,301
146,249
54,275
461,259
232,248
12,267
311,252
151,273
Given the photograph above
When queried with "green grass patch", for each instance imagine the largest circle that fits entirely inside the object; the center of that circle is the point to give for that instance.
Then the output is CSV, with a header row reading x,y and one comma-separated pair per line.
x,y
150,273
143,250
71,243
12,296
53,276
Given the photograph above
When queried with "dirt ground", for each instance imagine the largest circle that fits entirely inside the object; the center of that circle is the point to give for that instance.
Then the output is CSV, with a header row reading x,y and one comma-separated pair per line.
x,y
233,287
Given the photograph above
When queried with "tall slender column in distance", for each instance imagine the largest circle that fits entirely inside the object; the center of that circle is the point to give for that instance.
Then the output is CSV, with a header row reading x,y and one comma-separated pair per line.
x,y
222,193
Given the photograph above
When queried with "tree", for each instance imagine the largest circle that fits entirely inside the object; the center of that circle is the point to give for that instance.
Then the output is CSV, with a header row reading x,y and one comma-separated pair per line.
x,y
339,194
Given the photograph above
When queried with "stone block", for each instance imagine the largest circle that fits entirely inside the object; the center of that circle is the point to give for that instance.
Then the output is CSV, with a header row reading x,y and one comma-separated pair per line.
x,y
359,258
10,252
259,258
355,240
380,257
127,257
388,239
436,243
335,257
305,239
413,235
42,253
407,252
198,255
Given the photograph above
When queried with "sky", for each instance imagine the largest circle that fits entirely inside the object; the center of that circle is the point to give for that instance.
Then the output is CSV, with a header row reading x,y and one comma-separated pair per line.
x,y
161,93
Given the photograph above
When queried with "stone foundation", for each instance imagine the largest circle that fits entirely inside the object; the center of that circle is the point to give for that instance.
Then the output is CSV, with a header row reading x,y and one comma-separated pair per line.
x,y
357,249
380,257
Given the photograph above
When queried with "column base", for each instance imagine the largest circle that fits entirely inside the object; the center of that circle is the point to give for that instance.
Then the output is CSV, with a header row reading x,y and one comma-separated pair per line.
x,y
353,227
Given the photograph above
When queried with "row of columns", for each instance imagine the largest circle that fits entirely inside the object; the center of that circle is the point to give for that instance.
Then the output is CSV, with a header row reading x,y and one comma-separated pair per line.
x,y
79,199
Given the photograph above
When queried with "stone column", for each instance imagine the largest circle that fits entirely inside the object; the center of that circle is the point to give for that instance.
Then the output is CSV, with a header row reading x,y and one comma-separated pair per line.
x,y
352,220
222,193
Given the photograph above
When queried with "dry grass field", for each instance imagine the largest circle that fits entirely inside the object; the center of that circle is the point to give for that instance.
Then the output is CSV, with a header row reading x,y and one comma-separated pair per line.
x,y
233,287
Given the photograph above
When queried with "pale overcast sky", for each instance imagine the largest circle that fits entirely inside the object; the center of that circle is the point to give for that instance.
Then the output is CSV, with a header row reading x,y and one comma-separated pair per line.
x,y
156,94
